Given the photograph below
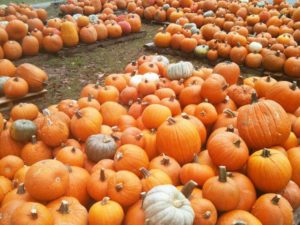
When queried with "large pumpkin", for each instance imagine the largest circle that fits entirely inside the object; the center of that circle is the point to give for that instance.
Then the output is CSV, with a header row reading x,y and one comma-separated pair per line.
x,y
34,76
16,30
170,136
47,180
263,124
269,170
69,34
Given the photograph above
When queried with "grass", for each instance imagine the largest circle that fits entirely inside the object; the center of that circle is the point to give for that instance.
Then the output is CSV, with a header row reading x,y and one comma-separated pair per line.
x,y
23,1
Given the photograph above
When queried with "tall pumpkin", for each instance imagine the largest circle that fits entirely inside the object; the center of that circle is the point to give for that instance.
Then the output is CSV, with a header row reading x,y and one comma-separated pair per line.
x,y
172,134
69,34
269,170
263,123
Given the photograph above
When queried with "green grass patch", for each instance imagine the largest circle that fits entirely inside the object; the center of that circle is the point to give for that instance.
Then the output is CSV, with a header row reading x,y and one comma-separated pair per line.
x,y
23,1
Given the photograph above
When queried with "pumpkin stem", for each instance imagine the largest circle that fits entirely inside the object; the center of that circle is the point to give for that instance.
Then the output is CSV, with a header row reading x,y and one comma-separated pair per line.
x,y
90,97
119,187
106,139
73,150
152,130
64,207
294,85
275,200
144,103
147,222
115,128
49,121
266,153
240,81
139,136
33,213
69,168
146,173
254,97
172,98
222,174
185,116
239,222
119,156
225,87
97,85
229,113
105,200
207,215
171,121
16,79
21,189
5,125
188,188
268,79
165,160
78,114
115,137
195,158
46,112
277,53
237,143
33,139
102,174
143,196
180,81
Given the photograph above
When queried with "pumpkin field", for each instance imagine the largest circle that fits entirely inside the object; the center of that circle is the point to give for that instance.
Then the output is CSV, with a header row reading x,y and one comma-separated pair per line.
x,y
149,112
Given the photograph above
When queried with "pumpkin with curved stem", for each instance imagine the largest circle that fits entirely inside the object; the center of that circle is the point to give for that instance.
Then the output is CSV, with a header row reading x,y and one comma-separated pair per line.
x,y
265,120
99,147
47,180
223,186
161,114
97,185
153,177
17,194
226,118
132,135
35,151
206,113
273,209
228,149
238,217
205,211
175,131
106,212
34,76
88,102
85,122
71,156
283,90
31,213
266,164
171,202
53,132
124,187
135,214
68,210
131,157
22,130
247,190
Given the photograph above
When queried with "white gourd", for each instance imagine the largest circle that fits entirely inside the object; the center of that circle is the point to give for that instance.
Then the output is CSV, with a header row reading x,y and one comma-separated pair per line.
x,y
165,205
180,70
135,80
255,47
160,58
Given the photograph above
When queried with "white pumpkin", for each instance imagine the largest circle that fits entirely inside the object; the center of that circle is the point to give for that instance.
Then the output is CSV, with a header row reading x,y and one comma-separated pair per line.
x,y
201,50
208,13
164,204
76,16
4,23
160,58
135,80
93,18
180,70
3,6
255,47
151,77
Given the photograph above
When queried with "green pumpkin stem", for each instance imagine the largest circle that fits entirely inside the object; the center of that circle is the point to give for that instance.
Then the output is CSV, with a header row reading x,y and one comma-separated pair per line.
x,y
237,143
33,213
207,215
254,98
188,188
21,189
119,187
165,160
229,113
294,85
266,153
102,175
275,200
104,201
222,174
146,173
64,207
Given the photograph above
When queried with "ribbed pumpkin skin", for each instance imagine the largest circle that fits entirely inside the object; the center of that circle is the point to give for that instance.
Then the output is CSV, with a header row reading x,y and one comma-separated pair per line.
x,y
263,124
69,34
179,139
233,216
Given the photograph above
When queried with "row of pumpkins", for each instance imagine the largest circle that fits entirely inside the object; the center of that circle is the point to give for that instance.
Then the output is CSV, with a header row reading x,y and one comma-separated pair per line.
x,y
233,46
160,143
16,82
22,12
18,38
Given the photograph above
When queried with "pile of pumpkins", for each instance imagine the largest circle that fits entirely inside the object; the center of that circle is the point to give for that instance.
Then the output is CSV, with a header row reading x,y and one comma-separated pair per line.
x,y
160,143
18,38
22,11
16,82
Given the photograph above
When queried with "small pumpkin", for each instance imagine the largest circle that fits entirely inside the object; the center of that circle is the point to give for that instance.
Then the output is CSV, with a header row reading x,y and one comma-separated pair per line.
x,y
15,87
154,177
22,130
